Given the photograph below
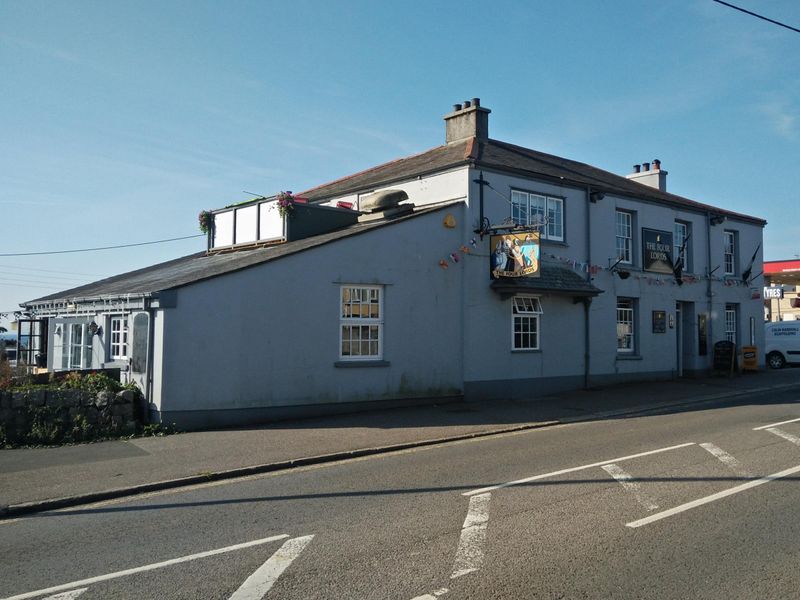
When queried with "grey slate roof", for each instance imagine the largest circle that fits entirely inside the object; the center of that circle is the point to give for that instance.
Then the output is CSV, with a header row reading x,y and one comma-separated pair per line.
x,y
197,267
552,279
497,155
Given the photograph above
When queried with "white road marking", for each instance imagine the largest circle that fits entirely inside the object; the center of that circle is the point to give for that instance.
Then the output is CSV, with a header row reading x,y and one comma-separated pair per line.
x,y
259,583
629,484
712,498
67,595
728,460
776,424
166,563
432,596
787,436
573,469
469,556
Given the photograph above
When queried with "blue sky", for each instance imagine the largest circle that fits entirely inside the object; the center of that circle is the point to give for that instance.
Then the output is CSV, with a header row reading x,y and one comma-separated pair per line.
x,y
122,120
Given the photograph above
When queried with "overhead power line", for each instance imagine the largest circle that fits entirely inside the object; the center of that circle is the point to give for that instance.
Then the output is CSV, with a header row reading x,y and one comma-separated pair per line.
x,y
103,247
752,14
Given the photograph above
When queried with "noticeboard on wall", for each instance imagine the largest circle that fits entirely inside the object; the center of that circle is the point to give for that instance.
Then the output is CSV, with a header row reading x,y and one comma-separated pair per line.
x,y
515,255
657,251
659,321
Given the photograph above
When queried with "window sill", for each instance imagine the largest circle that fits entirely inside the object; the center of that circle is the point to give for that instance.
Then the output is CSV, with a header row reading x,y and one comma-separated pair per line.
x,y
545,241
526,351
629,357
354,364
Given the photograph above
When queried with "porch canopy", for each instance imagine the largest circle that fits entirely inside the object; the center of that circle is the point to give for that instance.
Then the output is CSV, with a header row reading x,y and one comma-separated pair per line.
x,y
552,279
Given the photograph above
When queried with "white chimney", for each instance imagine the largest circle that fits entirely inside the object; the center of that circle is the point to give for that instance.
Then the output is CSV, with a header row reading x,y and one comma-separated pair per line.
x,y
654,177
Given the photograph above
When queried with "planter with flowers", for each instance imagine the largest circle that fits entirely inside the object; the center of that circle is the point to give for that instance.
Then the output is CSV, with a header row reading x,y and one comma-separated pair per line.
x,y
205,220
285,203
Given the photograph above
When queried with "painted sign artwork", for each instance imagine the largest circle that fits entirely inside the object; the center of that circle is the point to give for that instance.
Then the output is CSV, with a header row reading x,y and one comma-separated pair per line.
x,y
515,255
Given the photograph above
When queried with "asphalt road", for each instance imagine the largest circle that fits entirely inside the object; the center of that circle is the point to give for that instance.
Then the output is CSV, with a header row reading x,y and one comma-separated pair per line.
x,y
690,504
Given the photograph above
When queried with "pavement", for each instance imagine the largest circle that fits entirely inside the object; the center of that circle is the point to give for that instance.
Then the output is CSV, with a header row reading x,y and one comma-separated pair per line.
x,y
38,479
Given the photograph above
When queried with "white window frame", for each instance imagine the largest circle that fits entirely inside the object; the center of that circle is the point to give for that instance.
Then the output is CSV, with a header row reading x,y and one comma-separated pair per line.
x,y
352,299
731,322
528,208
624,236
680,234
526,330
75,356
729,252
118,338
626,318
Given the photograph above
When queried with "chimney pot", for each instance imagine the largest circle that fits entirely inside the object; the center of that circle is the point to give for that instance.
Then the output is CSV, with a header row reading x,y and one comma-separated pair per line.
x,y
456,107
637,168
646,166
476,102
466,104
656,164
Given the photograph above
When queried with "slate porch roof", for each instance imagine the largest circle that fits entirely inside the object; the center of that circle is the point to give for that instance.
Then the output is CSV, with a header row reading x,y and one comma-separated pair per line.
x,y
501,156
552,279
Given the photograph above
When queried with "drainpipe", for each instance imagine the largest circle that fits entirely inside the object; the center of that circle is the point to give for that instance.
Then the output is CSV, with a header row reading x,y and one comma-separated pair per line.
x,y
709,292
150,356
587,301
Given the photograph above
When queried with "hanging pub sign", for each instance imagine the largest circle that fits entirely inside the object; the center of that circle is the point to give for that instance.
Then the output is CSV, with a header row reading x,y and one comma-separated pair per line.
x,y
657,251
515,255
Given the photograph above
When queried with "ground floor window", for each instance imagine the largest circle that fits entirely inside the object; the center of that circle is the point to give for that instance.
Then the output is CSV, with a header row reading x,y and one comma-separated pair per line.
x,y
361,322
526,311
626,325
76,346
730,322
118,346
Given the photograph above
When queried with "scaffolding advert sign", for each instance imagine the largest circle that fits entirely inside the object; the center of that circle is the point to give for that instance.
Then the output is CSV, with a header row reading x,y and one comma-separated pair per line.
x,y
515,255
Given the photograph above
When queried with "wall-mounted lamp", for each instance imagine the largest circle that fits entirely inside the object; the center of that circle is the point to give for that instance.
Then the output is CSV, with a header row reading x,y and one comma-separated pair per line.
x,y
717,219
595,196
623,274
58,330
94,329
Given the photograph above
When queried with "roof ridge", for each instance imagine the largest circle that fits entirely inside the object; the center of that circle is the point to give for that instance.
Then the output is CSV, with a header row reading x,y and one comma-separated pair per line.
x,y
623,181
370,169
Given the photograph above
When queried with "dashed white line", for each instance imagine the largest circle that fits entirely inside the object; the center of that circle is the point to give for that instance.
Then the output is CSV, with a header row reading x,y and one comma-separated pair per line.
x,y
785,435
776,424
573,469
166,563
713,497
259,583
67,595
469,556
432,596
728,460
627,481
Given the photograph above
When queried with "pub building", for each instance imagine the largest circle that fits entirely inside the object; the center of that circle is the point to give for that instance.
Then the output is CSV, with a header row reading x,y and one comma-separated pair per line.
x,y
478,269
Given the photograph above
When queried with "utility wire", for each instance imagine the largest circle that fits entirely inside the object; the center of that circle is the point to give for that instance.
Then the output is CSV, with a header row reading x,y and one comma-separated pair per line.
x,y
103,247
752,14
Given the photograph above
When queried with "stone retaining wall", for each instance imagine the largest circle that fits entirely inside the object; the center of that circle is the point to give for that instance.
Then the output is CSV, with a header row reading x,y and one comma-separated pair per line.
x,y
41,416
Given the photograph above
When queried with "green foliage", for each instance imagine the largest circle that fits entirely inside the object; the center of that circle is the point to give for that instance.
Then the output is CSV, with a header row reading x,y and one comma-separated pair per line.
x,y
91,382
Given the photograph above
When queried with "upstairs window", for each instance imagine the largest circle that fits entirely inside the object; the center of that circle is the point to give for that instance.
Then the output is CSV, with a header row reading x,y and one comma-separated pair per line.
x,y
681,247
729,241
361,322
624,230
545,212
526,311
